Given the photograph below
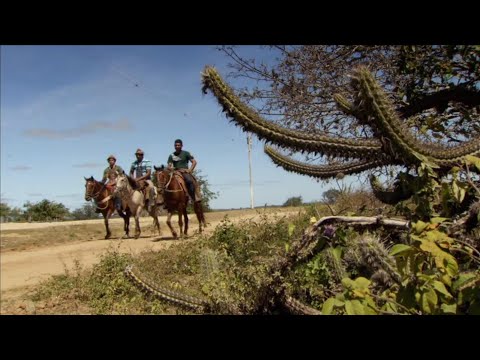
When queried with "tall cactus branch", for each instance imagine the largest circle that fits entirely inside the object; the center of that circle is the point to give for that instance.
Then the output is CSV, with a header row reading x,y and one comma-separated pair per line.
x,y
393,142
388,127
321,171
250,120
400,192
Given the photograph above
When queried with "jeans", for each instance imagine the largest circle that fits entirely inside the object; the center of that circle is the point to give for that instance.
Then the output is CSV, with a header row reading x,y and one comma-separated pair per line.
x,y
118,203
190,186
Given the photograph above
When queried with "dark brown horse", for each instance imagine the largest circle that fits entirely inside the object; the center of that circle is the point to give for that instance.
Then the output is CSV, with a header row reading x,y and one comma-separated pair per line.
x,y
171,184
103,200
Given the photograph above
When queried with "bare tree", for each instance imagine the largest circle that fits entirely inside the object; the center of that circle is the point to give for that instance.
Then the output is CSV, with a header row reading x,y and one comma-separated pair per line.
x,y
376,120
436,87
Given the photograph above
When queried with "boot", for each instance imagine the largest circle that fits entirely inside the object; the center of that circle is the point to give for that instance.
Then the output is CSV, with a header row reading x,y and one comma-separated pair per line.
x,y
191,192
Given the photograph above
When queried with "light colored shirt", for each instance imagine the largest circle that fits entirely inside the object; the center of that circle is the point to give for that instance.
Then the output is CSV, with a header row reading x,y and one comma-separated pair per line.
x,y
140,168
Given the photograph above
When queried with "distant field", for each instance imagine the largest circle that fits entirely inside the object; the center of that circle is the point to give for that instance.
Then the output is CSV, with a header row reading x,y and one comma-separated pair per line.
x,y
24,236
32,252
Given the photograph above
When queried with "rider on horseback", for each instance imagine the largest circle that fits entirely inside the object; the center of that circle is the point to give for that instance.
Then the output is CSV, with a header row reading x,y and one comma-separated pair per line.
x,y
178,160
141,171
110,179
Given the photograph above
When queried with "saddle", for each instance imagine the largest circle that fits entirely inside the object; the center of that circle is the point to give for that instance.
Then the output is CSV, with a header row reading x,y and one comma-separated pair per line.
x,y
142,186
179,174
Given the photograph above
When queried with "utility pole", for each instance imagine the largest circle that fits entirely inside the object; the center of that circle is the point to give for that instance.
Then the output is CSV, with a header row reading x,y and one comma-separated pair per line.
x,y
249,143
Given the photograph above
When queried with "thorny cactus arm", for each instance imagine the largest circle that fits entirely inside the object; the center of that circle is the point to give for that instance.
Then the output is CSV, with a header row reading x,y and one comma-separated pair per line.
x,y
372,107
378,111
322,171
394,143
250,120
399,193
173,296
302,248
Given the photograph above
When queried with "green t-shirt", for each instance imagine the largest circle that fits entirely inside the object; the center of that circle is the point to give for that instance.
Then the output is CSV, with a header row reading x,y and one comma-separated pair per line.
x,y
180,161
117,169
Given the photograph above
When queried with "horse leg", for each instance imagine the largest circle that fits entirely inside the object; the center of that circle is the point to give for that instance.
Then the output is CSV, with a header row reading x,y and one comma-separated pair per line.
x,y
169,223
137,227
185,216
197,206
128,214
199,223
126,222
156,223
180,222
137,222
105,220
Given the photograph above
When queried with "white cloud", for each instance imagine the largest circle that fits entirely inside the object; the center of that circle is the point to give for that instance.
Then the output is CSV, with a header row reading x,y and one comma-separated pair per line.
x,y
88,165
87,129
21,168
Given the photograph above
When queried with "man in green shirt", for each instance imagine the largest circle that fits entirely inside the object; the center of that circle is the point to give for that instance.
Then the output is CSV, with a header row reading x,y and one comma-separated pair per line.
x,y
179,161
110,179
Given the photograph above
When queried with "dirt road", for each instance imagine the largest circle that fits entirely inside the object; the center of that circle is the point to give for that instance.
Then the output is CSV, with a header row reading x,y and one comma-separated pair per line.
x,y
20,270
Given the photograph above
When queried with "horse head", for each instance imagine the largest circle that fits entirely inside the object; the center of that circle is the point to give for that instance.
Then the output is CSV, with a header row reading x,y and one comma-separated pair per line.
x,y
158,170
121,184
161,174
89,188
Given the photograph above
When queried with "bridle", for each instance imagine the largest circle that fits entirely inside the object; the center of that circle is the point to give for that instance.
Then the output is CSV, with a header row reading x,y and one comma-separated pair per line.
x,y
124,191
95,195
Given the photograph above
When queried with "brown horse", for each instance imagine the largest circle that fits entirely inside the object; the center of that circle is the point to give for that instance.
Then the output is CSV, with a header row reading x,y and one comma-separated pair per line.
x,y
103,200
172,185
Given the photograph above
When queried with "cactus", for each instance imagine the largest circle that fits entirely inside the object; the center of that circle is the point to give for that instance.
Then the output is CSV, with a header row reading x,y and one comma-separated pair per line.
x,y
393,142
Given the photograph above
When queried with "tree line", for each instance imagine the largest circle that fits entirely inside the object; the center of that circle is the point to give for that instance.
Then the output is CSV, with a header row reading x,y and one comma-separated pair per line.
x,y
46,210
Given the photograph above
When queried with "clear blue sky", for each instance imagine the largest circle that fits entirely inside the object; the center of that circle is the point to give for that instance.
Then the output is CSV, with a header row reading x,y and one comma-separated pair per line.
x,y
64,109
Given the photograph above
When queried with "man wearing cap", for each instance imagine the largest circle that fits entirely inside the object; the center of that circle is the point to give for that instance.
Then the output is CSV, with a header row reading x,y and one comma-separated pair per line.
x,y
110,179
141,171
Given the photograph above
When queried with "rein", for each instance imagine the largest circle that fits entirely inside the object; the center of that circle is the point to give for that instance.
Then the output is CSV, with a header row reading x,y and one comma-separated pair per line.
x,y
168,183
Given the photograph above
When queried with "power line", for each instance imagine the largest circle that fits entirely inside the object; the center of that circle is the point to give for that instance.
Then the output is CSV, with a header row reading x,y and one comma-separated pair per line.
x,y
249,144
135,83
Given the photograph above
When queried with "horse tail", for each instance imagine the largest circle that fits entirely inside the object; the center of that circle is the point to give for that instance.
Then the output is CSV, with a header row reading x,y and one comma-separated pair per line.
x,y
197,206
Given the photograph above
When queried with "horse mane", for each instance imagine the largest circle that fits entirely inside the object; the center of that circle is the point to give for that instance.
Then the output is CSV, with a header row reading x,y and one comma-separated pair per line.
x,y
91,178
132,182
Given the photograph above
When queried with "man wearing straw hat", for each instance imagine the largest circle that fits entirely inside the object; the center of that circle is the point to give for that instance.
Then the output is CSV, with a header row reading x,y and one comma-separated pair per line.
x,y
141,171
